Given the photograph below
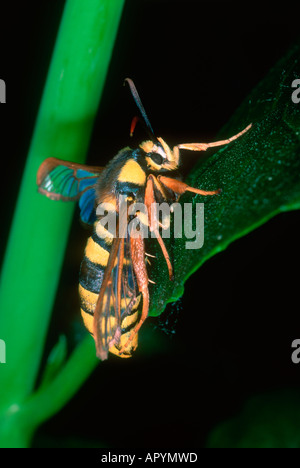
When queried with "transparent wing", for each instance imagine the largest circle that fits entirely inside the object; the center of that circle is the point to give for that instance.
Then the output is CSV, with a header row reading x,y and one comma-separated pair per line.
x,y
117,298
67,181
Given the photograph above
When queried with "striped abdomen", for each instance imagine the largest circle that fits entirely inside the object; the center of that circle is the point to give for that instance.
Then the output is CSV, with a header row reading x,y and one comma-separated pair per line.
x,y
90,280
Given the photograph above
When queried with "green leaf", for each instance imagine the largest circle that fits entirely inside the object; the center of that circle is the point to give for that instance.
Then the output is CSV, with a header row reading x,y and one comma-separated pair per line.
x,y
258,175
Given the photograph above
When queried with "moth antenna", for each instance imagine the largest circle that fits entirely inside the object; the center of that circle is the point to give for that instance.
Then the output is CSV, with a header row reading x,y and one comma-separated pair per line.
x,y
139,104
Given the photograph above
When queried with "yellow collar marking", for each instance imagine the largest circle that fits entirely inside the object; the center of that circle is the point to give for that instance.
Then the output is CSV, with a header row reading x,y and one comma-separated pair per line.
x,y
133,173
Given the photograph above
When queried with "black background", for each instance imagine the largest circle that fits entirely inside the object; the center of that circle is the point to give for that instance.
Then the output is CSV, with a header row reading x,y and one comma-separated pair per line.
x,y
193,63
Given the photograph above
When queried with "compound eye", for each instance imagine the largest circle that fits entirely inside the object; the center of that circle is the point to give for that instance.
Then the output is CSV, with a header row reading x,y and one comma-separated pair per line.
x,y
156,158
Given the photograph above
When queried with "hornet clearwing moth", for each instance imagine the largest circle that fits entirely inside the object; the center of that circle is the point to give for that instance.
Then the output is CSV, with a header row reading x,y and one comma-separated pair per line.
x,y
113,282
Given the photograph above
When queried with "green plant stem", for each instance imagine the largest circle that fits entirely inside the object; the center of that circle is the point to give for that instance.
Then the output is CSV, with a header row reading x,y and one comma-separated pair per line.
x,y
51,398
19,422
40,227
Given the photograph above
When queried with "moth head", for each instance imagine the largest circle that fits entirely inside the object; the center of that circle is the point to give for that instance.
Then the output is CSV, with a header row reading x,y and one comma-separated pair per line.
x,y
159,155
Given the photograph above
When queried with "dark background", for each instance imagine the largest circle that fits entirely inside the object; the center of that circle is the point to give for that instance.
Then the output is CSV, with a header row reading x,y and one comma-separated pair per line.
x,y
193,63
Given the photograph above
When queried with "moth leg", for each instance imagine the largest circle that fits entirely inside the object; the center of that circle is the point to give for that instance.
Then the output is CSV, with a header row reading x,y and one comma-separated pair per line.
x,y
159,187
179,187
154,223
139,265
205,146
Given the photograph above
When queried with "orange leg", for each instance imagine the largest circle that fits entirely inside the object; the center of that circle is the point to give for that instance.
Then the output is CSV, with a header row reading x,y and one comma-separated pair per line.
x,y
149,199
205,146
180,187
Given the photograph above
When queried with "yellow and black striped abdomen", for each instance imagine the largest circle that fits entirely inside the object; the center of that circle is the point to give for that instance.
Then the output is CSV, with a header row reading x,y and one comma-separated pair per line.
x,y
90,280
